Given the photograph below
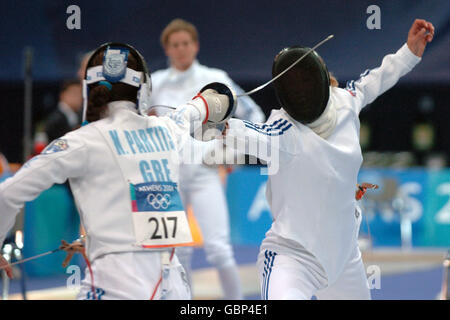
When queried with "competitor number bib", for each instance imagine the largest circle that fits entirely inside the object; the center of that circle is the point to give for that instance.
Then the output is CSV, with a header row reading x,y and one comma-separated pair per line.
x,y
158,215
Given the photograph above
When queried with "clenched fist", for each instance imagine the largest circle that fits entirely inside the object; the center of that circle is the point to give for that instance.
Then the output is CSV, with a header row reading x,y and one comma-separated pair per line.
x,y
419,35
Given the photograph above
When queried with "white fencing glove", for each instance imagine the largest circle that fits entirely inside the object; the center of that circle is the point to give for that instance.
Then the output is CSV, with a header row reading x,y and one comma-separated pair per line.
x,y
220,102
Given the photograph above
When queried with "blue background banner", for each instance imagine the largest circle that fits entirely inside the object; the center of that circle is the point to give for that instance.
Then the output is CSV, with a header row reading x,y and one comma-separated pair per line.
x,y
250,216
419,195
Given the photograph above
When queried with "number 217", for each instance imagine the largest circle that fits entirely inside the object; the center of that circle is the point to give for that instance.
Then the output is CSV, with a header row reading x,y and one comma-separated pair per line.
x,y
165,227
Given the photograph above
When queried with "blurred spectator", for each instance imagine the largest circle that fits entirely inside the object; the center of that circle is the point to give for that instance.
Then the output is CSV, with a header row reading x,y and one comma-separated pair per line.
x,y
67,115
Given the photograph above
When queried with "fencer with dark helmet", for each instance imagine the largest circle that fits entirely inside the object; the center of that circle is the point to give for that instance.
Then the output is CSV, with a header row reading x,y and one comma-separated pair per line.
x,y
120,69
304,90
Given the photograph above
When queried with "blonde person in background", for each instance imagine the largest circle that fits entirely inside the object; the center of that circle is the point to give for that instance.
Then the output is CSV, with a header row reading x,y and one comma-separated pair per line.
x,y
200,184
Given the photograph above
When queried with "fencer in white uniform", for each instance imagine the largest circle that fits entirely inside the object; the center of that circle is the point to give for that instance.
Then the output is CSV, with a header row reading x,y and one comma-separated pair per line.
x,y
123,169
200,184
311,247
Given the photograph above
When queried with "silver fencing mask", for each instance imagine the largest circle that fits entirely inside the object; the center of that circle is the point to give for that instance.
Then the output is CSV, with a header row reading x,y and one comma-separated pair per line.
x,y
303,91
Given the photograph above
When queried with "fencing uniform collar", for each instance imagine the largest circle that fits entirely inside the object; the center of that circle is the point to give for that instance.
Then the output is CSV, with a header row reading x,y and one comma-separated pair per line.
x,y
115,106
326,123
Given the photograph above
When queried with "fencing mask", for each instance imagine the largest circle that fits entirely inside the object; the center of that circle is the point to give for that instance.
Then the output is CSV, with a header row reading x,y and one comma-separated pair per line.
x,y
304,90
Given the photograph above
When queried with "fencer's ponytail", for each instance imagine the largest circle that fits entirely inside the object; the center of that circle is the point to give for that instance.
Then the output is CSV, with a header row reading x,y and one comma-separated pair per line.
x,y
99,97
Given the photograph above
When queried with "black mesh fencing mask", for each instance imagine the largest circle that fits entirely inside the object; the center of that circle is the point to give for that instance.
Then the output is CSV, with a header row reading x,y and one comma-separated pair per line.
x,y
303,91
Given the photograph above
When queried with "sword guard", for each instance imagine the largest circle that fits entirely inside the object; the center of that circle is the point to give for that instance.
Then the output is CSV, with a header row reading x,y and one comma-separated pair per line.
x,y
362,188
226,90
71,248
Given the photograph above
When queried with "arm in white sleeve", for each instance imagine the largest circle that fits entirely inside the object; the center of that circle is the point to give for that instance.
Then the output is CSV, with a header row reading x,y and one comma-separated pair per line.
x,y
183,120
375,82
258,140
186,114
39,174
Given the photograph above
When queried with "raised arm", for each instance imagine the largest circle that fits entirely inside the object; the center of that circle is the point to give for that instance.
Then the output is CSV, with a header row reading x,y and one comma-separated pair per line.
x,y
375,82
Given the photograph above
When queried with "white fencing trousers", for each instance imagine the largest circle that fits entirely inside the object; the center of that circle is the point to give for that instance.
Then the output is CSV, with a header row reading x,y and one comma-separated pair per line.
x,y
284,276
134,276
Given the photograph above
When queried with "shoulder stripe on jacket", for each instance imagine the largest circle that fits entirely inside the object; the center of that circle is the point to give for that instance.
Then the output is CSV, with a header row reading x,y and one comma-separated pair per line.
x,y
275,129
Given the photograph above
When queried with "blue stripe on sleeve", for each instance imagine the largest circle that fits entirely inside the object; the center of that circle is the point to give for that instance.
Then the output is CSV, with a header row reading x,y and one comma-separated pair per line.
x,y
269,128
278,132
351,84
264,126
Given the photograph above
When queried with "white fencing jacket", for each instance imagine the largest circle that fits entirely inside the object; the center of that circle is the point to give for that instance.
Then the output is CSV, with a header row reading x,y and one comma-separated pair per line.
x,y
102,160
312,181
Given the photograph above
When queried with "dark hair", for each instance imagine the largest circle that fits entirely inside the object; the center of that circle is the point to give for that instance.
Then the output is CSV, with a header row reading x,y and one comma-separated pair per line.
x,y
68,83
100,95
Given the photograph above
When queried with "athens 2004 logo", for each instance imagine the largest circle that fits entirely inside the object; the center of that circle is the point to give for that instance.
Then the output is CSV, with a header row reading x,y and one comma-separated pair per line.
x,y
159,201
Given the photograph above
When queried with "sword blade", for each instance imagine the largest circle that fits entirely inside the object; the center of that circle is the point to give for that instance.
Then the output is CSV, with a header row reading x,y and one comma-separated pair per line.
x,y
30,258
